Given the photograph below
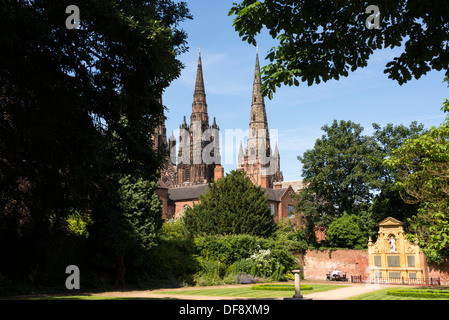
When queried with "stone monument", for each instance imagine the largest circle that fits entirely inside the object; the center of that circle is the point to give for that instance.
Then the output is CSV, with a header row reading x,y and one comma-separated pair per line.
x,y
393,258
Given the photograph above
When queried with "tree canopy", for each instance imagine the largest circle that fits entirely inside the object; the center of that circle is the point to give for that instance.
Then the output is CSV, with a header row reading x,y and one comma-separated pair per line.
x,y
77,107
323,40
232,205
422,165
345,173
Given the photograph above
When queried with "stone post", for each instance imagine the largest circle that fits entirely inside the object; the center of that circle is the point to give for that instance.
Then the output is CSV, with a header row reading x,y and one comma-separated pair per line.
x,y
297,295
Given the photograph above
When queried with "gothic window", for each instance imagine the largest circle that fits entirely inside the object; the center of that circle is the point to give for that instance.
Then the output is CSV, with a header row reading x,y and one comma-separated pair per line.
x,y
291,211
254,115
254,99
252,151
272,209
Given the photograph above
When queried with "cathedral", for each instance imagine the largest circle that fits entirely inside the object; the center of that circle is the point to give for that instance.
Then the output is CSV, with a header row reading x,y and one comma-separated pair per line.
x,y
197,162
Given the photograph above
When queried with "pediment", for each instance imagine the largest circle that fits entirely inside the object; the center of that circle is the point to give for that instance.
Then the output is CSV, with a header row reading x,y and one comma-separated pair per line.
x,y
390,222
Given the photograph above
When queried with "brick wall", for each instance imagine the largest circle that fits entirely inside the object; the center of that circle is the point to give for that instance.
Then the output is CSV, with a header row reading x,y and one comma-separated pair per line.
x,y
318,263
438,271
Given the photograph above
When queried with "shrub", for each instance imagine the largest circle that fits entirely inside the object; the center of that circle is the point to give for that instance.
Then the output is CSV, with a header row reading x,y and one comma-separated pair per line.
x,y
420,293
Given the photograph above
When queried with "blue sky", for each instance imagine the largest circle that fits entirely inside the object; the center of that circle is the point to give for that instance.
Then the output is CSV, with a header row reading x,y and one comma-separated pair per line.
x,y
297,113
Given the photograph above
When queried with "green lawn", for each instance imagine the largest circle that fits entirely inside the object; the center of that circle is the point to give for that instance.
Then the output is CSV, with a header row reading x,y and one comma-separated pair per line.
x,y
248,292
382,295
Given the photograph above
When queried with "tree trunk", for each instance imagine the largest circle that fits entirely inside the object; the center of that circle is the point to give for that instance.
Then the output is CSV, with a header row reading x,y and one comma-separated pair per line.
x,y
120,272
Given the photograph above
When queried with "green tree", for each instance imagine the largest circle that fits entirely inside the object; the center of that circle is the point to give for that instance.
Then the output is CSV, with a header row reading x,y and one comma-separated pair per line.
x,y
232,205
322,40
76,106
388,202
423,167
339,172
346,232
127,228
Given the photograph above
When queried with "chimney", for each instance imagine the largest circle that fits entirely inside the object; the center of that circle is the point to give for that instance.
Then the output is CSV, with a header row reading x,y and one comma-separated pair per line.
x,y
264,182
277,185
218,172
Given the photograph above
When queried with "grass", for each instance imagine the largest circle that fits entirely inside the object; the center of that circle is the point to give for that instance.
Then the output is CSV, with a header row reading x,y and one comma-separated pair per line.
x,y
382,295
247,292
88,297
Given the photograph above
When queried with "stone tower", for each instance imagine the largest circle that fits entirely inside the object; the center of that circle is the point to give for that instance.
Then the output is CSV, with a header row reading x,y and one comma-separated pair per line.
x,y
260,165
198,142
159,137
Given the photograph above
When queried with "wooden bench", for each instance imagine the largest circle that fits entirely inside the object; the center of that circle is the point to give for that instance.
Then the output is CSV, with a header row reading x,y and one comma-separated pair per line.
x,y
338,277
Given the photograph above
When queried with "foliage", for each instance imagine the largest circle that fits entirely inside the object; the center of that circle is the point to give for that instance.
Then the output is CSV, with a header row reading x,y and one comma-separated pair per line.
x,y
322,40
388,202
338,173
127,227
420,293
78,224
346,232
76,108
345,172
246,255
423,166
232,205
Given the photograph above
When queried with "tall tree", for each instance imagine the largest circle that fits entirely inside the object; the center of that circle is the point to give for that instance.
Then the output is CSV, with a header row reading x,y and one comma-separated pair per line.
x,y
340,171
423,167
127,224
322,40
232,205
77,105
388,202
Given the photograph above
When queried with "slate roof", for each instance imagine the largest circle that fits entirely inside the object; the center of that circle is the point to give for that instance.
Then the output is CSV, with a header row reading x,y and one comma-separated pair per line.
x,y
275,194
187,193
194,192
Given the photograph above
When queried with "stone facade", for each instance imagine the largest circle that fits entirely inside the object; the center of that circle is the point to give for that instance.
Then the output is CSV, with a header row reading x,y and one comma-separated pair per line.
x,y
188,166
393,256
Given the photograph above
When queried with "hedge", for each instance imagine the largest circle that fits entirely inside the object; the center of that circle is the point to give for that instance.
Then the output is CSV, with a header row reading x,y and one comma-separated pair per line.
x,y
420,293
279,287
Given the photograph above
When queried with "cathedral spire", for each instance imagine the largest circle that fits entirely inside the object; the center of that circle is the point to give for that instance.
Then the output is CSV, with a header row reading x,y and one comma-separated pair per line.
x,y
257,102
258,125
199,95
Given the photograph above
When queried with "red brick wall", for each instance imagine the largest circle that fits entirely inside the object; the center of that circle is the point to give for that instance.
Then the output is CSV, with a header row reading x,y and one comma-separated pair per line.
x,y
180,205
438,271
318,263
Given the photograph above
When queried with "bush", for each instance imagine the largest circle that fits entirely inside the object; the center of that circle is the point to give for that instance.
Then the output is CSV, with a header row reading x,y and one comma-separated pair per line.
x,y
420,293
345,232
246,254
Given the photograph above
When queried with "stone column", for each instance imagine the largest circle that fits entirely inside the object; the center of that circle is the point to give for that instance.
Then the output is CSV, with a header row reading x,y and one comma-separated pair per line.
x,y
297,295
